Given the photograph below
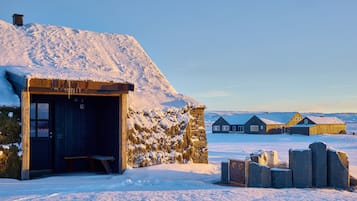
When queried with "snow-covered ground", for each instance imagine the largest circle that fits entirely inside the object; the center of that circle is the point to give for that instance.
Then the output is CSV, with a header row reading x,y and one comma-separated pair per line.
x,y
186,181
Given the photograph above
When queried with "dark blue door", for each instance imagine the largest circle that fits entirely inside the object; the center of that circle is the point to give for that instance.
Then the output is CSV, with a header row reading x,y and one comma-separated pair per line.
x,y
41,134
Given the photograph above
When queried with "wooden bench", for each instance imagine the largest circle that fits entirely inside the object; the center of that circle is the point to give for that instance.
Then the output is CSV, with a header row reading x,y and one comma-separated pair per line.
x,y
103,160
70,159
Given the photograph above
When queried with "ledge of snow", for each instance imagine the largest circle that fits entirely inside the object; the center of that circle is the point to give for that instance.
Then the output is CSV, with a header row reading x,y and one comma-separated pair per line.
x,y
7,95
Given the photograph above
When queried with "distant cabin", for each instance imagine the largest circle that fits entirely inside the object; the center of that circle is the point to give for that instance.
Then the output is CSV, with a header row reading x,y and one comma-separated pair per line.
x,y
258,125
313,125
272,123
230,123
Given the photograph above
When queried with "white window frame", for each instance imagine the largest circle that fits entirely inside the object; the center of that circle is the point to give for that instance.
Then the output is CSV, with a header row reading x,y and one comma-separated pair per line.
x,y
254,128
225,127
234,128
216,128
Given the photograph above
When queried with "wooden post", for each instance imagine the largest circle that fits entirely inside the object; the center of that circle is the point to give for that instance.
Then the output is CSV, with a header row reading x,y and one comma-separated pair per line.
x,y
25,129
123,107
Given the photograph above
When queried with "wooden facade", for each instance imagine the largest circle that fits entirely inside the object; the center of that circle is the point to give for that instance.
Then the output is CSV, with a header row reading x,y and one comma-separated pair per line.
x,y
66,118
319,125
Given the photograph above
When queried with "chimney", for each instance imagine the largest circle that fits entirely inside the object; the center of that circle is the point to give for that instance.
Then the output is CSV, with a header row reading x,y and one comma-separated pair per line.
x,y
17,19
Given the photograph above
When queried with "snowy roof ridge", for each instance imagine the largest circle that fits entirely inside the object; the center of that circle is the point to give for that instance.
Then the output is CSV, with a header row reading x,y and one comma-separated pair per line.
x,y
325,120
47,51
280,117
268,121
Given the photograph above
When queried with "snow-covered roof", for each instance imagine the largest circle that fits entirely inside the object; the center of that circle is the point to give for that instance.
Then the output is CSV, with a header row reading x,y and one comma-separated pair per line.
x,y
237,119
268,121
277,117
325,120
44,51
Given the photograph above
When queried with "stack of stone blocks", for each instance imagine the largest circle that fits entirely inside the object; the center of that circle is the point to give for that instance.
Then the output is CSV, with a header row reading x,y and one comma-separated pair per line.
x,y
318,166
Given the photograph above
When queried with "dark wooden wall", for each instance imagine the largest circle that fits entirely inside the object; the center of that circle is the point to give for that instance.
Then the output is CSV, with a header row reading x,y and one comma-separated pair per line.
x,y
92,129
254,121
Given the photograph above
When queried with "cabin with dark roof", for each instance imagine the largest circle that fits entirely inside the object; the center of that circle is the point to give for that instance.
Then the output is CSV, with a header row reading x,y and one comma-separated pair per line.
x,y
313,125
230,123
272,123
221,126
259,125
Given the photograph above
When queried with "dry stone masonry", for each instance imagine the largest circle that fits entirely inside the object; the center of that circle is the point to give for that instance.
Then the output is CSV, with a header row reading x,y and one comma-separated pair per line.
x,y
317,166
172,136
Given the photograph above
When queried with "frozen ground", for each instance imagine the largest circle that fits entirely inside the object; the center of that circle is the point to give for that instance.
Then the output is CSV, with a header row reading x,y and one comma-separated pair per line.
x,y
188,181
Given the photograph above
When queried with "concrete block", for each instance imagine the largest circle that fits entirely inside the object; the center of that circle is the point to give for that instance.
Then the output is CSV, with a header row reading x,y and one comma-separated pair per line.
x,y
281,178
259,175
224,173
337,169
300,163
239,171
319,164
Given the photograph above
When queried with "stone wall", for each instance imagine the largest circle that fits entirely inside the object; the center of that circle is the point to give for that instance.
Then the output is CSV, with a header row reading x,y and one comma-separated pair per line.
x,y
172,136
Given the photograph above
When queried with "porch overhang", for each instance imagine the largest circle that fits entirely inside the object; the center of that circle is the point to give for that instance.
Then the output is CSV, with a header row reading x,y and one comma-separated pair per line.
x,y
67,87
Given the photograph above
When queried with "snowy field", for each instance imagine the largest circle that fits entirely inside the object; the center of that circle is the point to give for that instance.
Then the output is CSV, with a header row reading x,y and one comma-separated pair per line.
x,y
187,181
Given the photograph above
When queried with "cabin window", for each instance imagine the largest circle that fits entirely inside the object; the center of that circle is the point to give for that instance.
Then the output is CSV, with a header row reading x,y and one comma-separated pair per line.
x,y
39,120
254,128
306,121
240,128
225,128
216,128
234,128
261,127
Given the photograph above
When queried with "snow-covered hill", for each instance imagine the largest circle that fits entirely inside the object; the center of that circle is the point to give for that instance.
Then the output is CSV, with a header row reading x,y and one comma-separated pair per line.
x,y
58,52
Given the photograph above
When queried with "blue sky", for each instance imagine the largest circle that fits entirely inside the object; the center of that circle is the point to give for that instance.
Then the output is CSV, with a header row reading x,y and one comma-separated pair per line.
x,y
287,55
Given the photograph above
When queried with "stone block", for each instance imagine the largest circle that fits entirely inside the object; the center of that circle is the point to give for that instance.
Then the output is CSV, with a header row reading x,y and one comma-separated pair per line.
x,y
224,173
269,158
281,178
239,171
300,163
337,169
259,175
319,164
